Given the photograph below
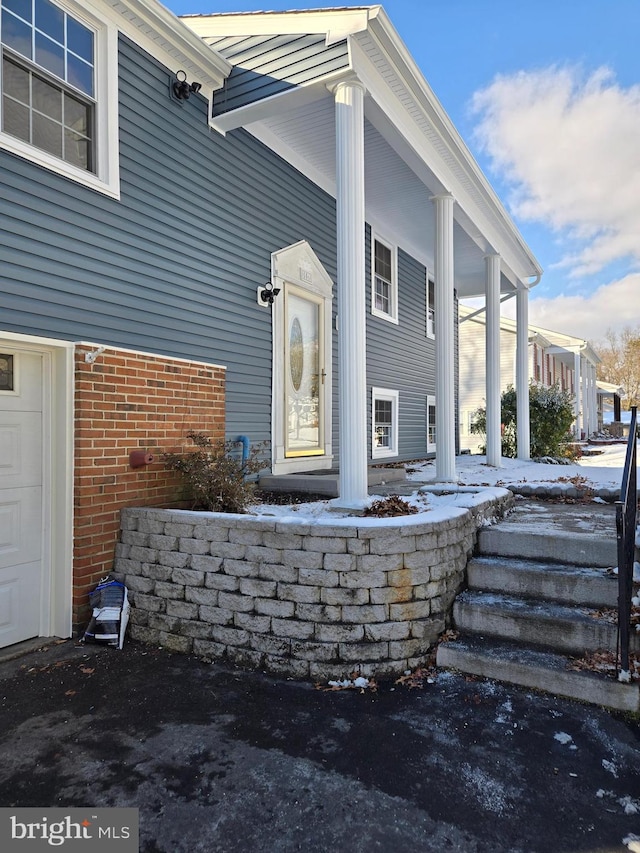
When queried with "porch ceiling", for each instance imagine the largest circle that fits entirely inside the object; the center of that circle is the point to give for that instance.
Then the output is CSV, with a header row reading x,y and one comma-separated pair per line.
x,y
397,199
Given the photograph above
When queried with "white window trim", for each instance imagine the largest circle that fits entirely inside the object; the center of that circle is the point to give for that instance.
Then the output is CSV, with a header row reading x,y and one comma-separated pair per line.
x,y
391,317
431,325
106,178
431,445
392,396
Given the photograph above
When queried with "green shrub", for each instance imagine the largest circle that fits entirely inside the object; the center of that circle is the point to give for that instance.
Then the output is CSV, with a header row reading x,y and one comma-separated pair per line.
x,y
214,474
550,417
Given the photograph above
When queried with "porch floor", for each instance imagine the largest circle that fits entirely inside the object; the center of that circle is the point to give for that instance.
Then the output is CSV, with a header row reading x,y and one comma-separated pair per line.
x,y
326,482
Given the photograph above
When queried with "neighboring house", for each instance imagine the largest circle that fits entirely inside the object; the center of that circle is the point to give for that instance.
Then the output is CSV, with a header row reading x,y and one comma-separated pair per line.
x,y
553,359
146,237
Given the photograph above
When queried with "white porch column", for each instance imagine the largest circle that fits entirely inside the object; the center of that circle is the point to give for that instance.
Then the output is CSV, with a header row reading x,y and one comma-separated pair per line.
x,y
492,343
595,397
444,319
577,390
586,414
522,374
352,404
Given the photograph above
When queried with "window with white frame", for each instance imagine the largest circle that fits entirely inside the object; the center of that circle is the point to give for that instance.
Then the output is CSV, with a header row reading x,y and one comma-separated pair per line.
x,y
384,427
431,424
384,290
431,307
57,108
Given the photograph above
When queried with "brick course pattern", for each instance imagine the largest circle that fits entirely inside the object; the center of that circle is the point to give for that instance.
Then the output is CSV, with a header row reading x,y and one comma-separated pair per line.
x,y
128,401
314,601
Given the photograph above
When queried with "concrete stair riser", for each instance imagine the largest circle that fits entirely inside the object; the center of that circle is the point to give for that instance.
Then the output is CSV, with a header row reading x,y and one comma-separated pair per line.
x,y
561,629
539,580
554,547
558,679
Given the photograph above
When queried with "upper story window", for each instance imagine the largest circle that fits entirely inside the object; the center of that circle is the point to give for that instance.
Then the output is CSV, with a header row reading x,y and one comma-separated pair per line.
x,y
431,307
57,95
384,296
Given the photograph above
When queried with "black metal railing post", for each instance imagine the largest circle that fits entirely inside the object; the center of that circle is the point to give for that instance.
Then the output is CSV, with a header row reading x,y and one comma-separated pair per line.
x,y
626,518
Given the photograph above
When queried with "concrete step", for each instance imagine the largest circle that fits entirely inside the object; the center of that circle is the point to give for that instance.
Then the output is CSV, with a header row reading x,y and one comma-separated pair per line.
x,y
534,579
535,622
326,482
569,534
537,669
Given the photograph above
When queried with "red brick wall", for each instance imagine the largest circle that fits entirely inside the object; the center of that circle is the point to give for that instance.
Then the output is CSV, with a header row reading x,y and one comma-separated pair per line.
x,y
128,401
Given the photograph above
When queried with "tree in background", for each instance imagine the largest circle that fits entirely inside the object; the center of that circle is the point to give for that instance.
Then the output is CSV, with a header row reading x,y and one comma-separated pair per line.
x,y
620,365
550,417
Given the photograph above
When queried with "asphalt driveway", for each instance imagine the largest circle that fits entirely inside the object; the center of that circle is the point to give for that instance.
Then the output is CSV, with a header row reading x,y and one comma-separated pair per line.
x,y
218,759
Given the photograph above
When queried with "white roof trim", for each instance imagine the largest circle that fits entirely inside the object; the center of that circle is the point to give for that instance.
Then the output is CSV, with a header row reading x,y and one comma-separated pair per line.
x,y
395,51
336,24
405,98
163,35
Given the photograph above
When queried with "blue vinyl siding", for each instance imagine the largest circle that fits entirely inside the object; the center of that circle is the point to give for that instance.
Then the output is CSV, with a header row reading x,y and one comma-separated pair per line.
x,y
269,65
173,266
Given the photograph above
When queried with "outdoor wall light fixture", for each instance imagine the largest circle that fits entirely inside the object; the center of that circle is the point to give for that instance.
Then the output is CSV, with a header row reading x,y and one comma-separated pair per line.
x,y
268,292
183,90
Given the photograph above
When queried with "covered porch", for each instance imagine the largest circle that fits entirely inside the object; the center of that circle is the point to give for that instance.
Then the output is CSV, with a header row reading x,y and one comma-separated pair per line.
x,y
337,95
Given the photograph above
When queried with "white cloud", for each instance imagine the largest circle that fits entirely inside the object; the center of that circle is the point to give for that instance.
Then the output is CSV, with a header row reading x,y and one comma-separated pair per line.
x,y
568,145
611,306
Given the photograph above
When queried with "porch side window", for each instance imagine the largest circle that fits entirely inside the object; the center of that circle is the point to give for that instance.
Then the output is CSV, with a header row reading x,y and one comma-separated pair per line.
x,y
384,296
384,428
431,424
431,307
54,111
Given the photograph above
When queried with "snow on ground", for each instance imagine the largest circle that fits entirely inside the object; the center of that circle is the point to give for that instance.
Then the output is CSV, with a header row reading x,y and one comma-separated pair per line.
x,y
603,470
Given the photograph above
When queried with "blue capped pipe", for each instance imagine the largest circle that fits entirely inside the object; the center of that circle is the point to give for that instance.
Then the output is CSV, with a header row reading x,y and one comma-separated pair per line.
x,y
244,441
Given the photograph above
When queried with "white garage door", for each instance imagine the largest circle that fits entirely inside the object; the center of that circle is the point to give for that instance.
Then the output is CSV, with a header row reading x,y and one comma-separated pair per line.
x,y
21,487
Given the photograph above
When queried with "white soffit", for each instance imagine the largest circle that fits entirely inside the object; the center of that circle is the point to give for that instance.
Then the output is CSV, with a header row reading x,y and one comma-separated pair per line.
x,y
158,31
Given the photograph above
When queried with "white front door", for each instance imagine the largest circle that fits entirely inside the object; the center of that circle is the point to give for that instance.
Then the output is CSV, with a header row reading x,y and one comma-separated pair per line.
x,y
302,339
21,494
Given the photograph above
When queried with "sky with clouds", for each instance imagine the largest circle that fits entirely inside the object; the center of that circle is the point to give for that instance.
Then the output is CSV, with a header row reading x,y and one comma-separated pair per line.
x,y
546,94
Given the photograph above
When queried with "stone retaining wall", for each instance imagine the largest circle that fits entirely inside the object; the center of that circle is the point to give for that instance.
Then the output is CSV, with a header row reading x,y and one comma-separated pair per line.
x,y
307,600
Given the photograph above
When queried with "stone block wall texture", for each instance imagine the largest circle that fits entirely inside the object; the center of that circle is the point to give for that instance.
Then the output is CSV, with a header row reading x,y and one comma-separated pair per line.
x,y
128,401
302,600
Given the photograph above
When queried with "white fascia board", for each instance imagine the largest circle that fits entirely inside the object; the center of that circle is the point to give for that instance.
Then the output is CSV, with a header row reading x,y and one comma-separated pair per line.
x,y
537,338
562,339
335,24
583,347
266,108
163,35
517,255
